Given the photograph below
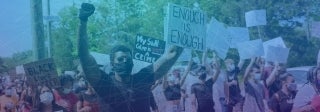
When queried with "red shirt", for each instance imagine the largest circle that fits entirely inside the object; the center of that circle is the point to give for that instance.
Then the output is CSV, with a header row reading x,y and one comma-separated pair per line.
x,y
68,101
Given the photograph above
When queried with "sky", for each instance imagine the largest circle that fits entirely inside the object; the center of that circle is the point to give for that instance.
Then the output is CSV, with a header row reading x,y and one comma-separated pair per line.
x,y
15,22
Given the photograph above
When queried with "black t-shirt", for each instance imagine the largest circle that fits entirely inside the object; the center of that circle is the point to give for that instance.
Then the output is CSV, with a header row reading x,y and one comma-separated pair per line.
x,y
234,90
131,97
280,102
203,93
173,92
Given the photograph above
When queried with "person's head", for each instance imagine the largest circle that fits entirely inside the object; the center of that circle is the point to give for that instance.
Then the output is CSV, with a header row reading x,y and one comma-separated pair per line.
x,y
255,72
121,60
202,73
229,64
288,82
66,83
46,95
8,91
282,68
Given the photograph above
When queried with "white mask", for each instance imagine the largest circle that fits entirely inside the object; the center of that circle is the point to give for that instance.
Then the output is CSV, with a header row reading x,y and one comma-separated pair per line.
x,y
46,97
66,90
231,67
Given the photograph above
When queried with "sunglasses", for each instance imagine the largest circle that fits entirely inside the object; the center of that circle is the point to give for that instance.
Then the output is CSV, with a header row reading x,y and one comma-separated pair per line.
x,y
124,58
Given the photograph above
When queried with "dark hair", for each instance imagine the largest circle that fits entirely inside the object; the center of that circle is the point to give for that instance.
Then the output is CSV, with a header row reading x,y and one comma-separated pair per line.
x,y
117,49
283,77
65,78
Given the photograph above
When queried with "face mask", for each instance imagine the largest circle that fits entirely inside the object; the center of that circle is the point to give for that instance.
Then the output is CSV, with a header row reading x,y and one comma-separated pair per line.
x,y
123,69
173,80
66,90
292,87
257,76
8,92
46,97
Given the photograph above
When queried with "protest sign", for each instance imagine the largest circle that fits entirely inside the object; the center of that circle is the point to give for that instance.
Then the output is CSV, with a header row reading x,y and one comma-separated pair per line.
x,y
277,42
315,29
101,59
250,49
20,70
185,55
277,54
148,49
186,27
256,18
218,38
42,72
237,35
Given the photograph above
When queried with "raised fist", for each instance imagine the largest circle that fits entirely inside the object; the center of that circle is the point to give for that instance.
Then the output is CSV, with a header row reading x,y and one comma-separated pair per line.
x,y
86,11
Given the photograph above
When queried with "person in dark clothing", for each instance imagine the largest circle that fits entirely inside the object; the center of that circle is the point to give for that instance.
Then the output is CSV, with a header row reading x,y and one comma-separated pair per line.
x,y
231,86
282,101
123,91
201,93
153,103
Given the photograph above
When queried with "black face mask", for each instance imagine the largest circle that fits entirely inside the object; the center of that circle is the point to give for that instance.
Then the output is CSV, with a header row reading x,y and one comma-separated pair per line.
x,y
123,68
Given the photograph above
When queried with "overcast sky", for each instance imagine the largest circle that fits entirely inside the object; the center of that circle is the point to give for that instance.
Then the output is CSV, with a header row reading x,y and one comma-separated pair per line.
x,y
15,22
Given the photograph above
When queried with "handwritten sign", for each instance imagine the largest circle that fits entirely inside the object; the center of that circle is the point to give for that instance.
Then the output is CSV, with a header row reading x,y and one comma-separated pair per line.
x,y
186,27
148,49
256,18
217,36
42,72
237,35
277,54
250,49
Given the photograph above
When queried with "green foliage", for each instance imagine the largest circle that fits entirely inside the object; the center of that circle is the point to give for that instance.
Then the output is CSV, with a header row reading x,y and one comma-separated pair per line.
x,y
118,21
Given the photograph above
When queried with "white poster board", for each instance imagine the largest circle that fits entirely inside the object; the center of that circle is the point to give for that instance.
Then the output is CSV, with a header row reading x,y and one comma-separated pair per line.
x,y
277,42
138,65
238,35
277,54
42,72
315,29
250,49
186,27
218,38
256,18
185,55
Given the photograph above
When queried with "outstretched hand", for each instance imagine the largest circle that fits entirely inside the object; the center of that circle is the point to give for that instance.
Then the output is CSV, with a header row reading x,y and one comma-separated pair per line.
x,y
86,11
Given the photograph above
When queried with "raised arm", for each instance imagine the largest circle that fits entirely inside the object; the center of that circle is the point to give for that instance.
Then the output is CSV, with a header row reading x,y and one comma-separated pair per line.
x,y
216,66
186,72
240,64
166,61
89,65
273,75
246,74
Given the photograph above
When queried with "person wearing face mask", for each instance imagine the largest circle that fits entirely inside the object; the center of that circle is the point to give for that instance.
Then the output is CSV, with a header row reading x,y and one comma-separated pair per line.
x,y
231,86
254,92
47,103
120,89
282,101
8,102
202,92
64,96
272,81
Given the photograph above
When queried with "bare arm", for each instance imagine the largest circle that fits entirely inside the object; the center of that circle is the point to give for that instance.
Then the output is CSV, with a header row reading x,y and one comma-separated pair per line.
x,y
272,76
240,64
185,74
246,74
90,67
217,72
166,61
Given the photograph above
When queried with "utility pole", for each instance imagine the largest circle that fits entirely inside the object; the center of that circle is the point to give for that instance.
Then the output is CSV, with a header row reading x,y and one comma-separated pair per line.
x,y
49,30
37,29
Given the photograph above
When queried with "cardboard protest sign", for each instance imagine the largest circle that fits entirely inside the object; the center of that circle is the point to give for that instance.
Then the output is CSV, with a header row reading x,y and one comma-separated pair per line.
x,y
250,49
185,55
42,72
277,54
218,38
148,49
256,18
238,35
315,29
277,42
186,27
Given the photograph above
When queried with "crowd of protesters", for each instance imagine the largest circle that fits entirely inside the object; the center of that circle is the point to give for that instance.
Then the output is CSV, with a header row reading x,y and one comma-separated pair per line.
x,y
220,85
